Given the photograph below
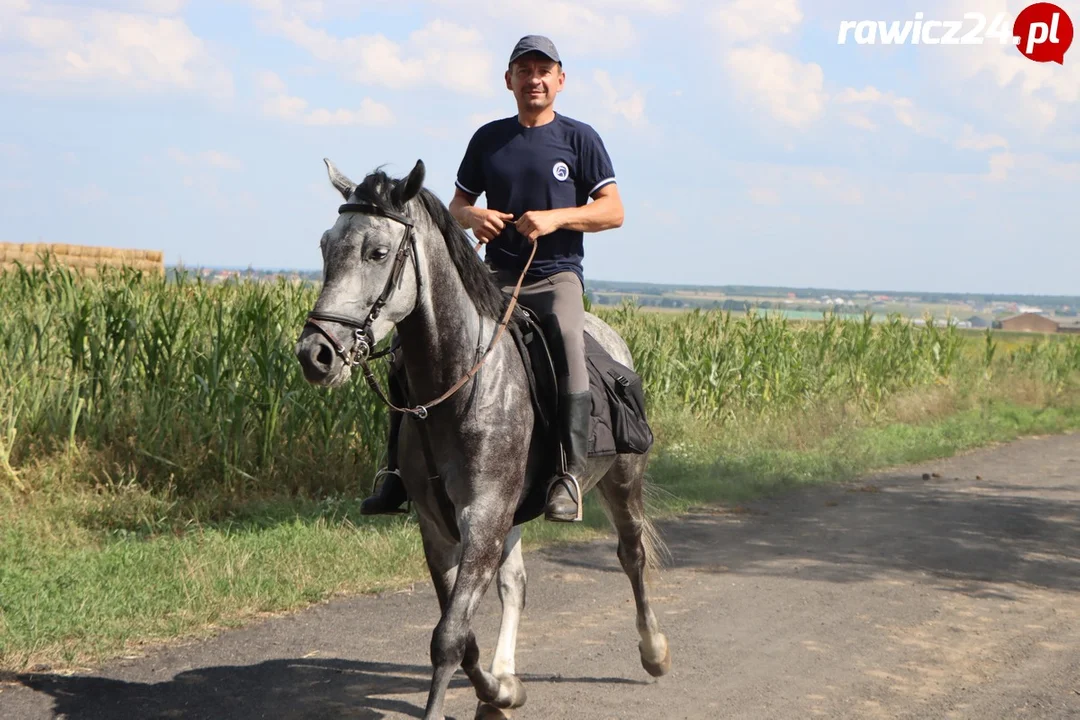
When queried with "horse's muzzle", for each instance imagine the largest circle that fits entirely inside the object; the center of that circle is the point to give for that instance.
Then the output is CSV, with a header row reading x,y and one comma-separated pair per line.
x,y
320,363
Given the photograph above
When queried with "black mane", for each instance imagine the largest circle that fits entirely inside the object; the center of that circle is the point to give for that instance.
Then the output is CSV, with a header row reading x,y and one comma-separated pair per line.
x,y
378,189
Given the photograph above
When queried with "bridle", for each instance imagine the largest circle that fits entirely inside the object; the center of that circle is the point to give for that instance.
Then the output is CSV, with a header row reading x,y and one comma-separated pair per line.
x,y
363,337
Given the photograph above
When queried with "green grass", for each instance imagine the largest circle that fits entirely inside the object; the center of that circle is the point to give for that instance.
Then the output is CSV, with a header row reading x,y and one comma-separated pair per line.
x,y
74,595
165,469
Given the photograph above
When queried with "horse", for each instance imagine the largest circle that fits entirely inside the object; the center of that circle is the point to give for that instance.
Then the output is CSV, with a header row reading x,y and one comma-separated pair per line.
x,y
481,437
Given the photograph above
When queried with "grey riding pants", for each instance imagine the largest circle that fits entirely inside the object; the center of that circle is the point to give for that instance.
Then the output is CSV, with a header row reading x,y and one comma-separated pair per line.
x,y
560,296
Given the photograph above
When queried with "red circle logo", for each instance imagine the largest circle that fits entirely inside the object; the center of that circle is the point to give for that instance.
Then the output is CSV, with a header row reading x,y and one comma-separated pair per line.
x,y
1043,33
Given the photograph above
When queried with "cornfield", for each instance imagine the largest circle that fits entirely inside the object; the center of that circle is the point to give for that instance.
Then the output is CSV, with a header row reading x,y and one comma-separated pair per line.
x,y
193,386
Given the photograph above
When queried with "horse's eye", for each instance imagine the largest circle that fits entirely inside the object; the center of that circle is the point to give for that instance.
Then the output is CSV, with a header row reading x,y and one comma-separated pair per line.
x,y
379,254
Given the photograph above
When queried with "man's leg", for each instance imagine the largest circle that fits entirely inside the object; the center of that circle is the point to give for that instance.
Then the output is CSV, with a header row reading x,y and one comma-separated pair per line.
x,y
557,303
391,494
575,400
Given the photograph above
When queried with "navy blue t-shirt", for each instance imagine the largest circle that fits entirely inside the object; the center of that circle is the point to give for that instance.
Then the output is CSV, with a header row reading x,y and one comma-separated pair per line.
x,y
556,165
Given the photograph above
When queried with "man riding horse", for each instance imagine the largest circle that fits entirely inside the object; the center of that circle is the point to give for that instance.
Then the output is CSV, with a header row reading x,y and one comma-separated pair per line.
x,y
538,169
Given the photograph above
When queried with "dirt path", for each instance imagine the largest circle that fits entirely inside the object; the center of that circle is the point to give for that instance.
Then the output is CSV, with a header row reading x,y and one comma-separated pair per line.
x,y
894,597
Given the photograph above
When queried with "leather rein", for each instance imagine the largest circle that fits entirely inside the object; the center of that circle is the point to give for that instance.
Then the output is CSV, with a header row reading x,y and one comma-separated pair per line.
x,y
363,337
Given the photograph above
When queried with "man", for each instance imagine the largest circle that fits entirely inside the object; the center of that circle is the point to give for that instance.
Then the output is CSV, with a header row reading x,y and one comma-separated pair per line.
x,y
538,169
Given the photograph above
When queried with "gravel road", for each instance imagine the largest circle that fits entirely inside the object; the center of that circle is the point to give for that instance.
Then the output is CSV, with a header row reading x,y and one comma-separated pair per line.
x,y
893,597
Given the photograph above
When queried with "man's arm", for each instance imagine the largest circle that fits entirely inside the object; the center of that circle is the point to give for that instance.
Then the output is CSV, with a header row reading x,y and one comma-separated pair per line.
x,y
605,212
461,206
484,222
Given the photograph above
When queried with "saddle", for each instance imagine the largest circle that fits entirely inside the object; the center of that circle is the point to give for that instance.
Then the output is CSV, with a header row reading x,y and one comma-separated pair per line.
x,y
617,422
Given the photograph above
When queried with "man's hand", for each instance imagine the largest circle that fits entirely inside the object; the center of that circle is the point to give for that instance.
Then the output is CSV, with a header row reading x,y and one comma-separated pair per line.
x,y
486,223
538,223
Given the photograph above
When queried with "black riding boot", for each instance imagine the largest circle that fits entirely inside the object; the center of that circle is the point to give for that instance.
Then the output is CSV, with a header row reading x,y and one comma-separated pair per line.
x,y
564,491
391,494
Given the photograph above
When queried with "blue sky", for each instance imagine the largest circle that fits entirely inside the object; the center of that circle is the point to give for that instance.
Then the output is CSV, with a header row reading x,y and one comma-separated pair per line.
x,y
749,147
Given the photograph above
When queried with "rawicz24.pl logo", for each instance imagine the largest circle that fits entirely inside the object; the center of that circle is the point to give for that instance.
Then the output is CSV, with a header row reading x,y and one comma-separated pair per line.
x,y
1041,32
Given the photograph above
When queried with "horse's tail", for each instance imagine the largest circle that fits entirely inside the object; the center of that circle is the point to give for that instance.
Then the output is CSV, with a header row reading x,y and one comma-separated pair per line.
x,y
657,552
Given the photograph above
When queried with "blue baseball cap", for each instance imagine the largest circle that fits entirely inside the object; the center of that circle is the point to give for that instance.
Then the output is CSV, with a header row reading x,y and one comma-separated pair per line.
x,y
535,43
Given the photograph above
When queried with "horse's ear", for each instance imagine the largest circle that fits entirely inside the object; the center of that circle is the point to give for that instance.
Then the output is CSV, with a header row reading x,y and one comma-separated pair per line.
x,y
409,189
344,185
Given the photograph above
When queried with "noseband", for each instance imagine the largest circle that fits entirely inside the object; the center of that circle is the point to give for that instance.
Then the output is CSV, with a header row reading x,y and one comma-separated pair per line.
x,y
363,337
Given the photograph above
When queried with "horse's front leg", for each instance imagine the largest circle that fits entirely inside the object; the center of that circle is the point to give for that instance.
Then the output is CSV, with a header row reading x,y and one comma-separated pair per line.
x,y
453,643
511,584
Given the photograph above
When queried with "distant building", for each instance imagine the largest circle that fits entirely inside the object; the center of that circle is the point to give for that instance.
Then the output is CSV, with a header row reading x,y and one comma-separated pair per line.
x,y
978,322
1029,322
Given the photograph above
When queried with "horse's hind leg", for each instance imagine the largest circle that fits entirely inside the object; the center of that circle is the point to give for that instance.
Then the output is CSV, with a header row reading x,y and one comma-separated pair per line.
x,y
622,492
511,584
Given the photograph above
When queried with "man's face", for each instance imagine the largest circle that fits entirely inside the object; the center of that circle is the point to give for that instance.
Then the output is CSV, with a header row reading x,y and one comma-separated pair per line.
x,y
535,81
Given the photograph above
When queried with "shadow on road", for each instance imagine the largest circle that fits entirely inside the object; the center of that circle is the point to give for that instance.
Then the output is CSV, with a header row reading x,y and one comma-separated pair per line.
x,y
311,689
976,534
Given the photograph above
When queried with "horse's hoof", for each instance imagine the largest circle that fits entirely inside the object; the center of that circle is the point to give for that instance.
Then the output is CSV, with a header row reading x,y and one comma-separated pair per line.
x,y
511,692
656,669
489,712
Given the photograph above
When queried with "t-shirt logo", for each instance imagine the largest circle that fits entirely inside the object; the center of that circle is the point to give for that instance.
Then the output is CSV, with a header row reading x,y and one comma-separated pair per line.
x,y
561,171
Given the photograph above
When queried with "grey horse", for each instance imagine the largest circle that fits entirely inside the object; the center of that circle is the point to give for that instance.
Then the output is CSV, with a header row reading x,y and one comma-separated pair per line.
x,y
484,441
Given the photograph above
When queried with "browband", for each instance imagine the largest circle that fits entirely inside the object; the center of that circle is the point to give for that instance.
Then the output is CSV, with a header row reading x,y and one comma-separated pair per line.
x,y
369,209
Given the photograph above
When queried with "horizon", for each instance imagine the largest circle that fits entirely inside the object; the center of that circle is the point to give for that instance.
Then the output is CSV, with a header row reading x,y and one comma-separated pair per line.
x,y
755,151
703,286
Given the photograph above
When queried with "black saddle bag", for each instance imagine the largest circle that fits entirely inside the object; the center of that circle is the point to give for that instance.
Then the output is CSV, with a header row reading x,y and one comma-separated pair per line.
x,y
624,396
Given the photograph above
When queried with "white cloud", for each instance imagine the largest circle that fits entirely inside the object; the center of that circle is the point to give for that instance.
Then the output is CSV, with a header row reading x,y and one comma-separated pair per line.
x,y
278,103
154,7
207,158
654,7
270,81
650,7
789,90
64,47
579,27
1002,83
629,105
1034,169
999,166
369,113
903,109
446,46
971,140
747,20
441,53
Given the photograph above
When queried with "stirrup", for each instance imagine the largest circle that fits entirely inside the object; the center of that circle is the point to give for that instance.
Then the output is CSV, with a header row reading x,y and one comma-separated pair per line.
x,y
380,473
376,491
576,489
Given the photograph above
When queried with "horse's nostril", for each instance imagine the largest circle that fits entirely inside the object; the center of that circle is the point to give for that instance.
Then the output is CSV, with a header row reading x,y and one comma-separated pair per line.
x,y
325,357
